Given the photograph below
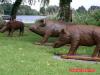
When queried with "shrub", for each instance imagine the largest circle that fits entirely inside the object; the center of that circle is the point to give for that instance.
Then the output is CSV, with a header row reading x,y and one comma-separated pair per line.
x,y
89,18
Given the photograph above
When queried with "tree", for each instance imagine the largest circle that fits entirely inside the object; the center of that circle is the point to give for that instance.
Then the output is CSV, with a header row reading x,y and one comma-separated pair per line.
x,y
42,11
23,10
15,9
65,12
52,9
92,8
1,10
81,9
96,15
7,7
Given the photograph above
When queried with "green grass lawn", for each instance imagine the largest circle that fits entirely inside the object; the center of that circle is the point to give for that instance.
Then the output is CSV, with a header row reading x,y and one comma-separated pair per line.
x,y
21,56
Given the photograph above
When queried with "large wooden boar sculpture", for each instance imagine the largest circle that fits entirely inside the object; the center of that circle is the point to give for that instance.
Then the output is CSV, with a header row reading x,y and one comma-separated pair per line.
x,y
79,35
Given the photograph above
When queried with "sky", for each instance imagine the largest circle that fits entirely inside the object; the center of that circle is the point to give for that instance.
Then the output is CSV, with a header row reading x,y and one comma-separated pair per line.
x,y
74,4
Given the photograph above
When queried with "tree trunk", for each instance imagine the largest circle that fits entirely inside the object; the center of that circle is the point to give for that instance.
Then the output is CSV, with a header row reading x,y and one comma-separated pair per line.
x,y
65,12
15,9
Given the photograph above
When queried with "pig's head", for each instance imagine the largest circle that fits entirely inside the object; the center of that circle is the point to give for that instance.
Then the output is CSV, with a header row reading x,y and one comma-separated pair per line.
x,y
64,38
38,27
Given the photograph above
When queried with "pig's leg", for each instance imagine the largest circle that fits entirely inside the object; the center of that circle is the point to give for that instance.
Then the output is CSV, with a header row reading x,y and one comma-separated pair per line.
x,y
99,54
21,31
45,38
12,30
96,52
74,46
73,49
9,32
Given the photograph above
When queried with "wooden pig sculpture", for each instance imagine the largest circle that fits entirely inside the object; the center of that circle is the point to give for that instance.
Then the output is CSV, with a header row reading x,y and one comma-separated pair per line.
x,y
11,26
79,35
48,28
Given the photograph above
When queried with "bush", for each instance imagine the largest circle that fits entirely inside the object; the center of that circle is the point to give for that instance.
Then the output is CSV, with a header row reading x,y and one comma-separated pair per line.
x,y
96,15
89,18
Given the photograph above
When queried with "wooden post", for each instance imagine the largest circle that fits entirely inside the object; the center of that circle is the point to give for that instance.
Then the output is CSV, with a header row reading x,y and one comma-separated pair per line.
x,y
81,58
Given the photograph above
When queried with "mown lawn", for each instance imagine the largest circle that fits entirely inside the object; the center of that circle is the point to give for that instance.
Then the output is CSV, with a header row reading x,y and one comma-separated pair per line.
x,y
21,56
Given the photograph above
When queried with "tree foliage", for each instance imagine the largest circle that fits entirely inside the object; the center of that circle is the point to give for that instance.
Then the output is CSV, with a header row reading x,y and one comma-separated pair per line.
x,y
92,8
1,10
96,14
52,10
91,17
42,11
7,7
23,10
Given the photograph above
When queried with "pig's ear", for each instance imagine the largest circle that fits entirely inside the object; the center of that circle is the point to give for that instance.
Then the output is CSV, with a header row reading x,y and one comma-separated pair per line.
x,y
43,23
63,31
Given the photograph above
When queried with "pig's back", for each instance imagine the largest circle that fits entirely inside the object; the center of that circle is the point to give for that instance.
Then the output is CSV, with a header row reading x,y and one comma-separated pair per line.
x,y
85,33
57,25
